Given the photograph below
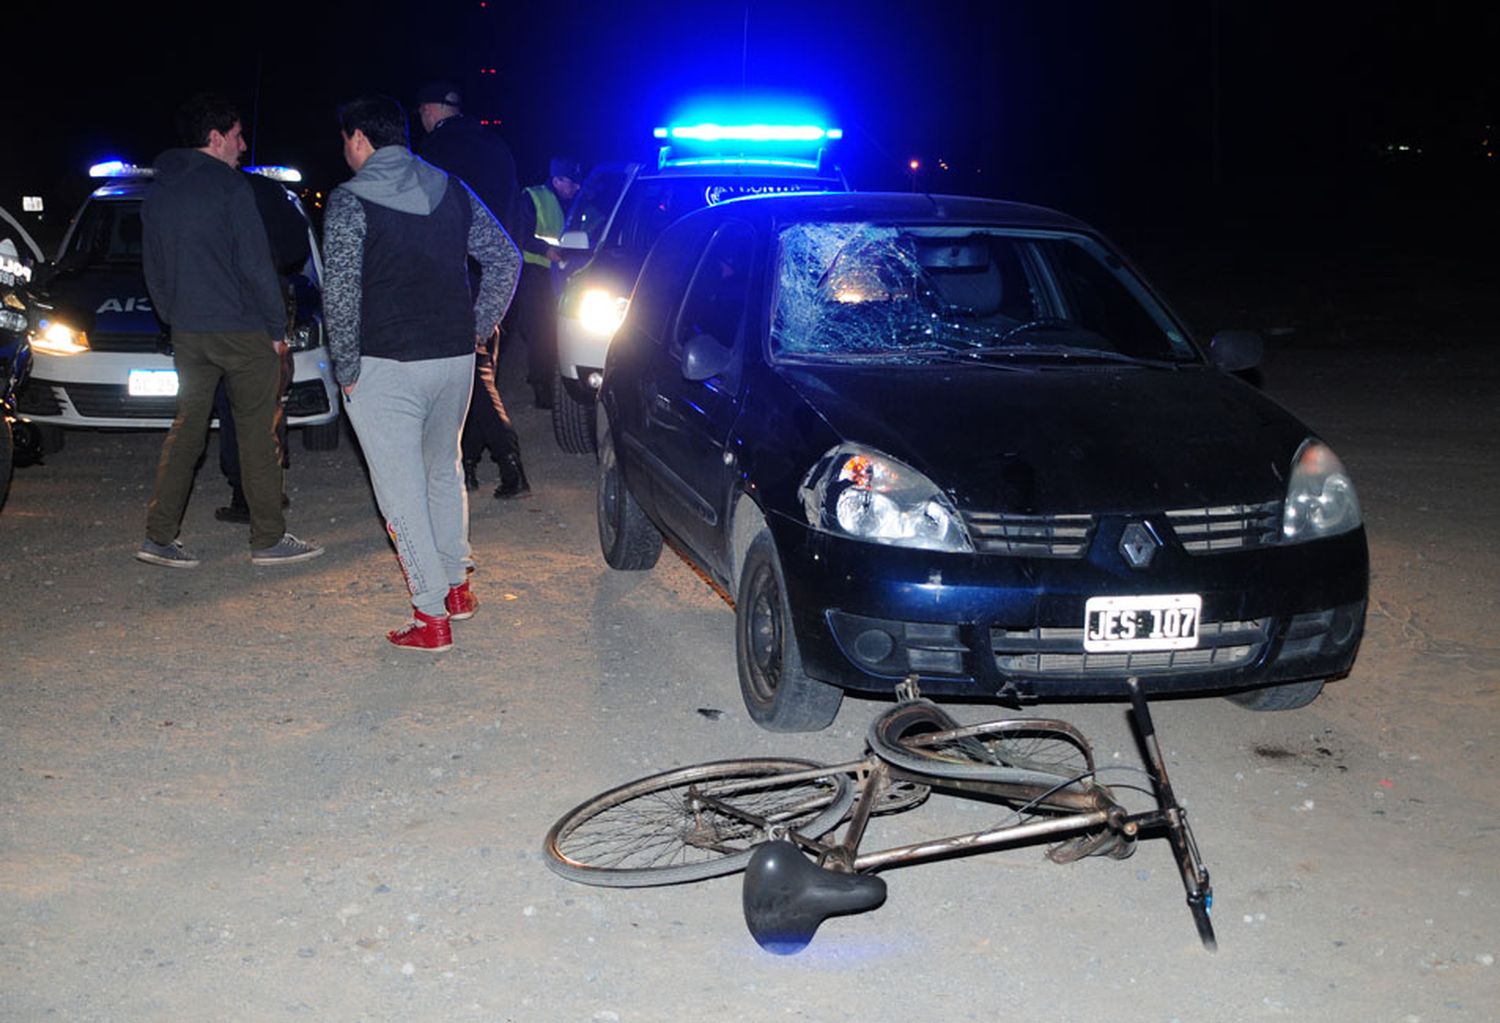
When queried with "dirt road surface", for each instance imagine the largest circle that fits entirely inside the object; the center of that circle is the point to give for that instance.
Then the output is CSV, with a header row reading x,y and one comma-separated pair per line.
x,y
223,796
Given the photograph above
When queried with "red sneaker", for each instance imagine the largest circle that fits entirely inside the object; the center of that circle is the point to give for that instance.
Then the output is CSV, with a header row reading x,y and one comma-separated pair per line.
x,y
461,602
424,632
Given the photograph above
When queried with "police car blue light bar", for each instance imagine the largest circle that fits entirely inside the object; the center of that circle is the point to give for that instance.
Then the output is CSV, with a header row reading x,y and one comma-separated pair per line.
x,y
287,175
709,132
118,169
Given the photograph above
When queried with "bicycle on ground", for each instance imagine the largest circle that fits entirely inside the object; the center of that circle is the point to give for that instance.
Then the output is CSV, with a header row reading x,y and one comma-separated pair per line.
x,y
795,827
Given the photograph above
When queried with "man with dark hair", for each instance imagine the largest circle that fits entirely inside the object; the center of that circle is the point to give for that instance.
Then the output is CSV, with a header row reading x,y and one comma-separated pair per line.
x,y
461,146
536,304
402,330
208,267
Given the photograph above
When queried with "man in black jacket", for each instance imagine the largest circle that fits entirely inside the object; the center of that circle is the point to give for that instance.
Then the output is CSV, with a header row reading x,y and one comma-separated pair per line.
x,y
209,270
461,146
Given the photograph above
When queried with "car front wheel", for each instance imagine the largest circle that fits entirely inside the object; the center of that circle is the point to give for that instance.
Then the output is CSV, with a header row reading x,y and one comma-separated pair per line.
x,y
572,420
323,437
778,694
1283,697
627,538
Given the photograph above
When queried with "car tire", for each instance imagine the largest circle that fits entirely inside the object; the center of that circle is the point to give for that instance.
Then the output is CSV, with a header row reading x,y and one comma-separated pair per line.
x,y
7,457
627,538
572,420
778,694
1283,697
322,436
51,437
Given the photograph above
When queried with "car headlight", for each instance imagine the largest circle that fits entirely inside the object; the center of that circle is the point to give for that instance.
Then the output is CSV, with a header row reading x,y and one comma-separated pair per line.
x,y
860,493
56,338
1320,498
601,311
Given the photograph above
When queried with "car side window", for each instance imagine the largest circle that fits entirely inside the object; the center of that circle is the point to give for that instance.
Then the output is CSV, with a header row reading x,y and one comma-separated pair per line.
x,y
662,279
720,291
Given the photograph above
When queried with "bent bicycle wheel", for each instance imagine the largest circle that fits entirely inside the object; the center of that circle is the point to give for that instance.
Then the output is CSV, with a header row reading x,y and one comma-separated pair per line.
x,y
921,737
694,822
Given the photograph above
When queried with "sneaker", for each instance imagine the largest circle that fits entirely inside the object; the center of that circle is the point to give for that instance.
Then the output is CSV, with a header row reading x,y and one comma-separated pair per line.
x,y
461,602
285,551
431,633
172,555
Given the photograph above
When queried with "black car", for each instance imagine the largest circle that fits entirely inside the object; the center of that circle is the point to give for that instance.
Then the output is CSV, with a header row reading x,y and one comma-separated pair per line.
x,y
963,440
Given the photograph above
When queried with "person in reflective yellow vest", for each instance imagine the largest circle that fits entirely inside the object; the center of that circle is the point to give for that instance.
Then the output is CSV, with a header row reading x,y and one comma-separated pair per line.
x,y
536,300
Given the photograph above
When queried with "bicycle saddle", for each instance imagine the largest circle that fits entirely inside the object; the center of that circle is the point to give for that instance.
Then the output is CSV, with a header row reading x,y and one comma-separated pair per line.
x,y
786,896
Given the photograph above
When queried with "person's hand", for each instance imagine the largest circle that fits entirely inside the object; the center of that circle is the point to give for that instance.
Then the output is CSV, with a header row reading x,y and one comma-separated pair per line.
x,y
348,389
281,346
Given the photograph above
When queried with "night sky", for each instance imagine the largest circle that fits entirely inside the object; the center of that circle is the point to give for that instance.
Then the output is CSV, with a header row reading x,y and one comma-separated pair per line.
x,y
1104,108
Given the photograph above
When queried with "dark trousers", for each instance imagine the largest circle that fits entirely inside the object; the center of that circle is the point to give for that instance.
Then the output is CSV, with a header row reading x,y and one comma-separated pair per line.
x,y
229,448
487,424
248,364
536,321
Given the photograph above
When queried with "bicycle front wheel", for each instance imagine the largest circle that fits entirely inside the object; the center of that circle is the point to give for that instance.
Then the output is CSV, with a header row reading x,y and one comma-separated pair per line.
x,y
921,737
693,823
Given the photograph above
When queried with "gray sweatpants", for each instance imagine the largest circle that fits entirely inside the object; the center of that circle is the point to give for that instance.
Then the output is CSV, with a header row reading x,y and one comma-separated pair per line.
x,y
408,417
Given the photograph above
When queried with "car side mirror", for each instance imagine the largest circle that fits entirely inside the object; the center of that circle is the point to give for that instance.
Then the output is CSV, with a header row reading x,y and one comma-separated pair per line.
x,y
1235,351
576,241
703,357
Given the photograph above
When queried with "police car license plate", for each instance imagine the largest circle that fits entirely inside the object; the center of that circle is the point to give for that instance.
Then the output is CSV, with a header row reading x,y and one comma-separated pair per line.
x,y
152,383
1156,622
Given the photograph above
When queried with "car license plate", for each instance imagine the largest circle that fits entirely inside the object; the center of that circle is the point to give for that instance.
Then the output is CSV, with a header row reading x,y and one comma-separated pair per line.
x,y
152,383
1158,622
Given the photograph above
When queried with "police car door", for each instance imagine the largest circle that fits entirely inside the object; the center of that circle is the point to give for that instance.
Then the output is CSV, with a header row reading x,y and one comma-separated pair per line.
x,y
698,392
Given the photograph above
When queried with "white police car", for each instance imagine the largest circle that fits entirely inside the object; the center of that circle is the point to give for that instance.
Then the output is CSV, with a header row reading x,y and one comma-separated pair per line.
x,y
102,359
624,207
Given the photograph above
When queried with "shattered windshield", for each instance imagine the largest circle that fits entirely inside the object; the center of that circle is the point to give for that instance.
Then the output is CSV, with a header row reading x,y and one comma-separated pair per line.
x,y
917,293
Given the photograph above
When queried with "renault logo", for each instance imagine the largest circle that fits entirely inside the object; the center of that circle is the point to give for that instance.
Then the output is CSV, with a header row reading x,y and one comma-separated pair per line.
x,y
1138,544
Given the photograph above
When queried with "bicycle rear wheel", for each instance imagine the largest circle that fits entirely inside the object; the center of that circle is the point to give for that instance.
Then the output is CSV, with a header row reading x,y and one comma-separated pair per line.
x,y
693,823
919,736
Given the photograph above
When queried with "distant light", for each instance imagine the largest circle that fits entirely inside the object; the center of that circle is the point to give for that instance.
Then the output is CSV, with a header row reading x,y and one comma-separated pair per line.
x,y
915,164
31,204
287,175
749,132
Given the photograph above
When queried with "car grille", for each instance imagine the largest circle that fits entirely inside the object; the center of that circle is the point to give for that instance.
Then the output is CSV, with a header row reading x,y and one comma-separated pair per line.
x,y
37,398
1059,651
1226,527
136,342
1037,536
113,401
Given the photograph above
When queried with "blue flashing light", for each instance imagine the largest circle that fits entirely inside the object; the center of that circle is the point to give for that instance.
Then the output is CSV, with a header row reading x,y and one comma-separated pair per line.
x,y
710,132
286,175
740,161
118,169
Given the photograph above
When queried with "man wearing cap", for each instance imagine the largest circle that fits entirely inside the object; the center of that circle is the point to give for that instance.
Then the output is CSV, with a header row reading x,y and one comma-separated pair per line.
x,y
536,302
402,325
460,145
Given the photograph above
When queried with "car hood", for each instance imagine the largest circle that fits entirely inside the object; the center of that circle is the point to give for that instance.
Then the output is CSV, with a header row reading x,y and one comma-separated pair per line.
x,y
104,299
1064,440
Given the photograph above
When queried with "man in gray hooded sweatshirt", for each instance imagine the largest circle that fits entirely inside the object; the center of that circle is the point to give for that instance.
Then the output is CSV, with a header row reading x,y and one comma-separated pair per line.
x,y
402,329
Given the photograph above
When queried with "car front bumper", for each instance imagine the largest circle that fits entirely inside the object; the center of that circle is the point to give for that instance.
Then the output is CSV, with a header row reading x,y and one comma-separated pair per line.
x,y
91,390
867,615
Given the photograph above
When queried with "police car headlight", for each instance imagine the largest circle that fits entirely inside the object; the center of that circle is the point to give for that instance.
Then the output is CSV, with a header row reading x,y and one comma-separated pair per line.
x,y
305,336
860,493
601,311
1320,498
56,338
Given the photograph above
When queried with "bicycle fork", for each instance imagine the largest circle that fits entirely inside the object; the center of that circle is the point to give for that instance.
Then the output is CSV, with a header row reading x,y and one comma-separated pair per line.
x,y
1200,894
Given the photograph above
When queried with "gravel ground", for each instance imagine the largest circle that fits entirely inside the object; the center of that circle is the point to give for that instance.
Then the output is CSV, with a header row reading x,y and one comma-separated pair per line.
x,y
224,797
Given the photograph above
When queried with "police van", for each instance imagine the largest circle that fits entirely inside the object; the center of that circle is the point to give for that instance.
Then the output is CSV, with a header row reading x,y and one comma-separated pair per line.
x,y
102,358
624,207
